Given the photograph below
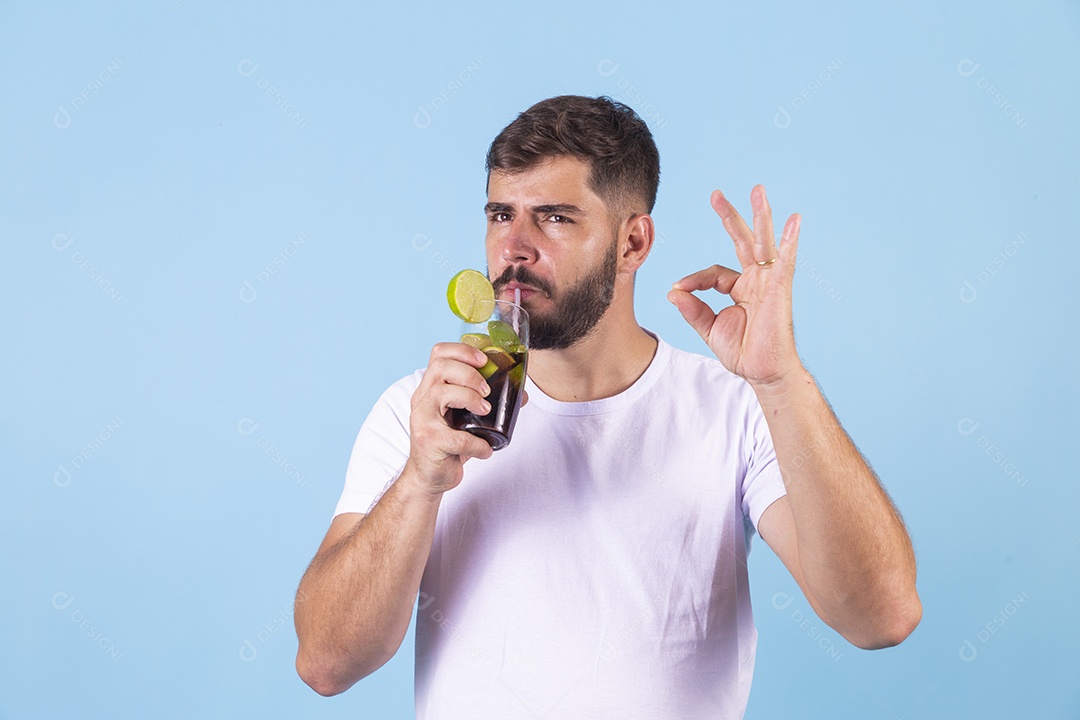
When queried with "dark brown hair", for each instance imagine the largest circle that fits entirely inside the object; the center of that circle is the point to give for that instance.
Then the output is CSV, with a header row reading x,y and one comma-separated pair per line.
x,y
616,143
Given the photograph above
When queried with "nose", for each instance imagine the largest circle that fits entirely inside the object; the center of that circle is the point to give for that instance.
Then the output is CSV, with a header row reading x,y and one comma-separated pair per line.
x,y
519,245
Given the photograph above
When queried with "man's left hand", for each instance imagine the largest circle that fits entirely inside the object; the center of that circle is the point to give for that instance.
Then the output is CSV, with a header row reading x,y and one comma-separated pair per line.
x,y
753,338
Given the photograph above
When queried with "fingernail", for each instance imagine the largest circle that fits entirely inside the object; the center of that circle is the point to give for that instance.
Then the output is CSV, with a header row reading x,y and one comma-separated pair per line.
x,y
486,405
485,389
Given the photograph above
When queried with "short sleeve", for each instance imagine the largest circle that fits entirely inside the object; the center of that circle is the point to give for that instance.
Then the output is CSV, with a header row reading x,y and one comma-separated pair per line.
x,y
381,448
762,484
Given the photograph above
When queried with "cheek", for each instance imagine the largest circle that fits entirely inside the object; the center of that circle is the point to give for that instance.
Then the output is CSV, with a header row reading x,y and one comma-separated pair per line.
x,y
495,263
491,249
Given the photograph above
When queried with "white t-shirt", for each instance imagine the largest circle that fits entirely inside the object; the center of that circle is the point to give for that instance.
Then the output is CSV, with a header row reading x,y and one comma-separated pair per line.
x,y
596,567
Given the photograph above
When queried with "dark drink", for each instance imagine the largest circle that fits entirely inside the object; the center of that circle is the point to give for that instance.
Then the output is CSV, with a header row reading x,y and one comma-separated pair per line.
x,y
506,384
503,336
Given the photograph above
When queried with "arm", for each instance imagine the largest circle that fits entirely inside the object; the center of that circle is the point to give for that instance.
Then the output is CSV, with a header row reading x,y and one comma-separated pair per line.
x,y
836,530
355,600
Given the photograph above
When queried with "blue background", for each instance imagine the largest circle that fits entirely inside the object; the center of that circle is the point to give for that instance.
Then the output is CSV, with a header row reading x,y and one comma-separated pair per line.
x,y
227,227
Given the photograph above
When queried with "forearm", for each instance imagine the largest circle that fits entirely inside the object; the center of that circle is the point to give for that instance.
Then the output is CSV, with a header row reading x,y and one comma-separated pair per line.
x,y
355,601
854,551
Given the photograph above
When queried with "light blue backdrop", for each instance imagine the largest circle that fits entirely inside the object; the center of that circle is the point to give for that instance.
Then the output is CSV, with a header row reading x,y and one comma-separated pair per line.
x,y
226,228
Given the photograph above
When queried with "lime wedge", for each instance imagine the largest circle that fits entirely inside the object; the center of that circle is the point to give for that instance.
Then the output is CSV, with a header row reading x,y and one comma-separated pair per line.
x,y
476,340
489,369
471,296
503,335
498,359
517,374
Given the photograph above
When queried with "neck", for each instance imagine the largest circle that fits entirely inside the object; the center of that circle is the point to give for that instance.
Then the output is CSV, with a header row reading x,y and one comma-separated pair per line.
x,y
603,363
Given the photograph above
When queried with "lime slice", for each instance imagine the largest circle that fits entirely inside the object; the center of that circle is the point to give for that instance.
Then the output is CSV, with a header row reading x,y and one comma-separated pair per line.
x,y
498,359
489,369
517,374
502,335
471,296
476,340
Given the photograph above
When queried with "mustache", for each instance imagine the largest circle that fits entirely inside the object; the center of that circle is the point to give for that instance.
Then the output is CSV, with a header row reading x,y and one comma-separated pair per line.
x,y
518,273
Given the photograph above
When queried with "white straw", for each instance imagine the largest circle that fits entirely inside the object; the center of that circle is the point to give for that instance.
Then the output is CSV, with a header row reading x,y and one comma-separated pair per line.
x,y
517,296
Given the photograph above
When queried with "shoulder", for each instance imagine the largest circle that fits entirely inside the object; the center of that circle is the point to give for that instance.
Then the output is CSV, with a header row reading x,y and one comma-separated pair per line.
x,y
707,376
406,385
397,396
720,398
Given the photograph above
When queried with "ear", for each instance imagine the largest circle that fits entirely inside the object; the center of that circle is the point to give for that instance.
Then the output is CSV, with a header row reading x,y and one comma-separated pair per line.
x,y
639,232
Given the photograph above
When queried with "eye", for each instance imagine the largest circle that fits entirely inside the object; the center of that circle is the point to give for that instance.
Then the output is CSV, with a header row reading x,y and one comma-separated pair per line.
x,y
560,219
497,216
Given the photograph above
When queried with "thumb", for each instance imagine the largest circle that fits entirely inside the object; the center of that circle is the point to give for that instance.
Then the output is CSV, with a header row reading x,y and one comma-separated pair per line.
x,y
694,310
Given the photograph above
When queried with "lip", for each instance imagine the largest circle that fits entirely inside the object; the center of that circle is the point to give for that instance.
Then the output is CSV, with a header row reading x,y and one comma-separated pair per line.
x,y
526,290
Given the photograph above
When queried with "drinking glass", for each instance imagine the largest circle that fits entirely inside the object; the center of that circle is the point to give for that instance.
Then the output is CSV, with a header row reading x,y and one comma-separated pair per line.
x,y
504,338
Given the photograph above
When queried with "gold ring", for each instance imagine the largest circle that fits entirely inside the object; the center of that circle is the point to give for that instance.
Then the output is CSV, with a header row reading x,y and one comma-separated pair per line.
x,y
766,262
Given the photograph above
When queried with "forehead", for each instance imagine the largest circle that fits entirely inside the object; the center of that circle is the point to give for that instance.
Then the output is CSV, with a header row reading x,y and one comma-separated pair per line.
x,y
559,179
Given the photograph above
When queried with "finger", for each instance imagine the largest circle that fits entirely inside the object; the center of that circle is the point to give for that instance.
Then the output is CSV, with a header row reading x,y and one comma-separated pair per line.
x,y
467,445
699,315
740,234
524,397
789,241
430,433
460,352
440,441
716,277
444,397
764,241
452,372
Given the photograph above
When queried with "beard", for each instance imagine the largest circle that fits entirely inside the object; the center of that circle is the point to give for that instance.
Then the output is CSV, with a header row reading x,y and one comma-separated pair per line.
x,y
576,309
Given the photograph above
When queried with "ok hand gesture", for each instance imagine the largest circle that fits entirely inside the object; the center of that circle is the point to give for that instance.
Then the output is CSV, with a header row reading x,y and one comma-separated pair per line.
x,y
753,338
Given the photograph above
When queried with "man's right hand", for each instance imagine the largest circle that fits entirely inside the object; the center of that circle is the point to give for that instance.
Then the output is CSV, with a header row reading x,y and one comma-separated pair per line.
x,y
437,452
356,598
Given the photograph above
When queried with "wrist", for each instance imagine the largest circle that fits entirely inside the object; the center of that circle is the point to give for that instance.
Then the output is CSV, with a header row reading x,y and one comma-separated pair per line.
x,y
796,380
413,488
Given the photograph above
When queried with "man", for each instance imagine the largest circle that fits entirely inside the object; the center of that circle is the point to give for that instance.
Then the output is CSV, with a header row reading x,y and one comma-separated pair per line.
x,y
596,566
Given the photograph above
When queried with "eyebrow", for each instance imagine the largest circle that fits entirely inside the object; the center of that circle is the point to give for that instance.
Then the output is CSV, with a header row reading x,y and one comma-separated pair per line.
x,y
563,208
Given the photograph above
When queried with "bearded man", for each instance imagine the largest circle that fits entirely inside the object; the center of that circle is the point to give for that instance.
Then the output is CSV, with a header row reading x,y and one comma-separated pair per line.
x,y
596,567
